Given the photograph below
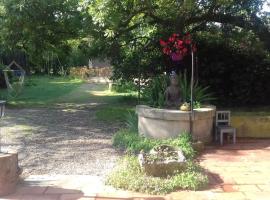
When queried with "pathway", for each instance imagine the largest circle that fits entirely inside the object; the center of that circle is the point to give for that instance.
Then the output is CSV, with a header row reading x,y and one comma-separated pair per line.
x,y
237,172
63,139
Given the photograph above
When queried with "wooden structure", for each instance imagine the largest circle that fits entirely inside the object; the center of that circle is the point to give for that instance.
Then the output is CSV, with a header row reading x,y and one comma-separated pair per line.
x,y
223,126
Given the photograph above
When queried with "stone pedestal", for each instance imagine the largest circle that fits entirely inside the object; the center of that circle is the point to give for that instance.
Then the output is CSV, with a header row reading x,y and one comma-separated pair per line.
x,y
8,173
164,123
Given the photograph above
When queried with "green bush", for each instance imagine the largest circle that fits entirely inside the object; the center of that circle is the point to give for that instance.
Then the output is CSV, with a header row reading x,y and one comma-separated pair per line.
x,y
124,87
129,176
132,142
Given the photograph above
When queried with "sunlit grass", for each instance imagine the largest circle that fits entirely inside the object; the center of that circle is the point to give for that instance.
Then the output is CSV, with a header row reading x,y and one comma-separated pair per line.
x,y
42,90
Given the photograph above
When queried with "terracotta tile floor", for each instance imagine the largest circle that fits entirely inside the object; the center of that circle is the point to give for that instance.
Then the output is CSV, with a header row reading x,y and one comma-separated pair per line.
x,y
240,171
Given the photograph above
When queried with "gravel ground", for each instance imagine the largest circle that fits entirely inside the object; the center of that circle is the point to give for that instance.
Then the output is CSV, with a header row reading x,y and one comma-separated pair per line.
x,y
65,140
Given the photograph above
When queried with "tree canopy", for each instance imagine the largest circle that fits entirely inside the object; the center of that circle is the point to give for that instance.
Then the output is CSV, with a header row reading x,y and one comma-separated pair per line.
x,y
128,31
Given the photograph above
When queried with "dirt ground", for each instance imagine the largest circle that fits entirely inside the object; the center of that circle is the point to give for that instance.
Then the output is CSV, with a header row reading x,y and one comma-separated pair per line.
x,y
61,139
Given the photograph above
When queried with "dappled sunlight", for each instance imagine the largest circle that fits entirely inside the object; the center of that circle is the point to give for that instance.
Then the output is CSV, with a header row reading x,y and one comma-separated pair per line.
x,y
111,93
72,81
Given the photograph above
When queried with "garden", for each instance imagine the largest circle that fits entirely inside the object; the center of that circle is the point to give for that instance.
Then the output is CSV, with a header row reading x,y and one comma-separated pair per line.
x,y
144,95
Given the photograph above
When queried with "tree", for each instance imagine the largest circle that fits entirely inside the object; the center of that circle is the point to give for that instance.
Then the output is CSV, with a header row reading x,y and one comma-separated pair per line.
x,y
120,27
39,27
129,31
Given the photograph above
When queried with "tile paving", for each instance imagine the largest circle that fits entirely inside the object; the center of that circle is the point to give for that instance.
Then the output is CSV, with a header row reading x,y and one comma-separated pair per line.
x,y
236,172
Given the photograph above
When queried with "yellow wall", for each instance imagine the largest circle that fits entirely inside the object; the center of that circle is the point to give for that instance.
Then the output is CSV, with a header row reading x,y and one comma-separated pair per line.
x,y
252,126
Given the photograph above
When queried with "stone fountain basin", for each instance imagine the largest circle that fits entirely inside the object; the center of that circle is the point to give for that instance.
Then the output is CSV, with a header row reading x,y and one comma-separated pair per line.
x,y
164,123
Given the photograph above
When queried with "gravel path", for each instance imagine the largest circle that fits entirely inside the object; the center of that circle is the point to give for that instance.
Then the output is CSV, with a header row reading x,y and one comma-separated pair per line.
x,y
65,140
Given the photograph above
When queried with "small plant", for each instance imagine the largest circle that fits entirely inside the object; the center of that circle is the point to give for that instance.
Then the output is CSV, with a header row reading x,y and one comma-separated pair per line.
x,y
200,93
154,91
129,176
132,142
132,121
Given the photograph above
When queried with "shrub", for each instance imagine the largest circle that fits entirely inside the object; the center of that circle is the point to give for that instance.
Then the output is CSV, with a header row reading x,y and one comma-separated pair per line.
x,y
132,142
200,94
129,176
124,87
154,91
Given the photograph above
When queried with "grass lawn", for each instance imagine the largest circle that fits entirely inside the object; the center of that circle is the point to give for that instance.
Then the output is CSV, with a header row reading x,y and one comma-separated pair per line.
x,y
43,90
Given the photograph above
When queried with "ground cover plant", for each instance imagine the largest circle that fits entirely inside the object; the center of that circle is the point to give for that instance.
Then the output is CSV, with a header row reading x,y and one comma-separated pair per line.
x,y
132,142
129,176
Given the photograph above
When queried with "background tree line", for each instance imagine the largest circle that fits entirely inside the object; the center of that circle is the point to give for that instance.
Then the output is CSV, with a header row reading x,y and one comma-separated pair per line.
x,y
233,39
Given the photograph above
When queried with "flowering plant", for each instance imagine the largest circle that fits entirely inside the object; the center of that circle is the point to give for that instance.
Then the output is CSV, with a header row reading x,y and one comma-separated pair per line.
x,y
177,46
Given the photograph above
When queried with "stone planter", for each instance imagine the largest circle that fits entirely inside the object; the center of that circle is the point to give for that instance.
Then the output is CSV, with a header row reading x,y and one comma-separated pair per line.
x,y
162,168
9,173
164,123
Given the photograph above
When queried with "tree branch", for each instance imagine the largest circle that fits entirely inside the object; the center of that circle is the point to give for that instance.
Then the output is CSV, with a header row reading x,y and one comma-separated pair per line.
x,y
254,23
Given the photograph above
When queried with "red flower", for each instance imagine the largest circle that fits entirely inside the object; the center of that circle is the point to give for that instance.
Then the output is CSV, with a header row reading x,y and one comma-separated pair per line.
x,y
185,50
180,42
162,43
166,50
171,39
177,47
188,41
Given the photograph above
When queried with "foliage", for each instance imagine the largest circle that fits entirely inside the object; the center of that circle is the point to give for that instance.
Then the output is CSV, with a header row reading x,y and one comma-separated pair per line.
x,y
240,73
129,176
233,40
124,86
86,72
200,93
125,40
155,90
39,29
132,142
133,43
132,121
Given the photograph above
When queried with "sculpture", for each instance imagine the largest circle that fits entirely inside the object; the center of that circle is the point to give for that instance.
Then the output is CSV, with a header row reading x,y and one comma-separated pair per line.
x,y
172,93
